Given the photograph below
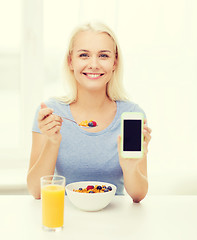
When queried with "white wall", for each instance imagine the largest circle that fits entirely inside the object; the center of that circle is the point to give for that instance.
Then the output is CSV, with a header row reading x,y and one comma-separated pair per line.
x,y
161,55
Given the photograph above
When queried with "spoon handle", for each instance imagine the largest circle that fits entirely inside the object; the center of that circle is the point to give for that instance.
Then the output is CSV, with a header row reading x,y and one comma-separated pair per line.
x,y
69,119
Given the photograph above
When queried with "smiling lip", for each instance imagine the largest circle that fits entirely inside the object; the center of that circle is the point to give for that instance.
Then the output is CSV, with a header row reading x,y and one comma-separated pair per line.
x,y
93,75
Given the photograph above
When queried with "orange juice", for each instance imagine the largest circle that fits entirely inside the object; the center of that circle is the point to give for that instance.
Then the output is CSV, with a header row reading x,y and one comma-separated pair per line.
x,y
53,205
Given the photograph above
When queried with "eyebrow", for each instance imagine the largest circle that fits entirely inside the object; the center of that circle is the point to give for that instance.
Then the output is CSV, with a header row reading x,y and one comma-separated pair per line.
x,y
84,50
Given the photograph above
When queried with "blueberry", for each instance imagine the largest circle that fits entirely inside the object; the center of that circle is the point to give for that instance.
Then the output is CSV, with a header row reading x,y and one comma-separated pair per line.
x,y
99,187
80,189
90,124
104,186
91,192
106,190
110,188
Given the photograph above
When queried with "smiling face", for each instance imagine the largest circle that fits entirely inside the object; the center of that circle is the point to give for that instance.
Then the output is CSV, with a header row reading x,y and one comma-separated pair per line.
x,y
93,60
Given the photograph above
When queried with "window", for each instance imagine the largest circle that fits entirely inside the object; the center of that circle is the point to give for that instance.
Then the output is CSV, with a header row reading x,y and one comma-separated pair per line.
x,y
10,64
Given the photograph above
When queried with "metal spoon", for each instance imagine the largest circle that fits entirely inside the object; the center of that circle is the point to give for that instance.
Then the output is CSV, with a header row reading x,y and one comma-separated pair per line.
x,y
75,122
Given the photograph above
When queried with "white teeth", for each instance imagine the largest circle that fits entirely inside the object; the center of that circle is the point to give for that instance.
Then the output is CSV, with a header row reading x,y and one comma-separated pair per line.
x,y
93,75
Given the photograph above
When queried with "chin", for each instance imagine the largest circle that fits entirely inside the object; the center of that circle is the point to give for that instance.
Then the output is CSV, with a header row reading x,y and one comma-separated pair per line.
x,y
93,86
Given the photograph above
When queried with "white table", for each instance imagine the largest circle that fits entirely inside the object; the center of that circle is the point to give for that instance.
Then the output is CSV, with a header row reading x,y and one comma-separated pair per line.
x,y
156,217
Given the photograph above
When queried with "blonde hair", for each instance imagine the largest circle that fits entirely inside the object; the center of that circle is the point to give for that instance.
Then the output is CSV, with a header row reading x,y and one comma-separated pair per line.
x,y
115,90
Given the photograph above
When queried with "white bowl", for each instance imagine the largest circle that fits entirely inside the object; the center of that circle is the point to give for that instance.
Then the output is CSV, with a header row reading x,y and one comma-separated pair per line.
x,y
89,201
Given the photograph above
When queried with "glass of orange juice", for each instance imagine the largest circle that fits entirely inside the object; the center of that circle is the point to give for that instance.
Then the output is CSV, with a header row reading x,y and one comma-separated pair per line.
x,y
52,195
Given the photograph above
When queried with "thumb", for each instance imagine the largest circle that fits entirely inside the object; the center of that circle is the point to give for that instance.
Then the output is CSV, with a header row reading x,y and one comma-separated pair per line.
x,y
43,105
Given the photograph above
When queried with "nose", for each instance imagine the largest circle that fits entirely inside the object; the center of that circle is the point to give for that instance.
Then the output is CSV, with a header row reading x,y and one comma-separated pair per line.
x,y
93,63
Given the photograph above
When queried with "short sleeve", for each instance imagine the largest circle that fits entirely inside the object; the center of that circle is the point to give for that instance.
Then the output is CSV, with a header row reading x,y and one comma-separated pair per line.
x,y
139,109
35,127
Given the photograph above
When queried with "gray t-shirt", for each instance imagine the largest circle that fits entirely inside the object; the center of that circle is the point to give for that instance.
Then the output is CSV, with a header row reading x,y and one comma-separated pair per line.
x,y
87,156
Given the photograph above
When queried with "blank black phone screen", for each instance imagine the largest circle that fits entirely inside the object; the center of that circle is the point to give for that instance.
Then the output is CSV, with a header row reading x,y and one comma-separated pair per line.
x,y
132,135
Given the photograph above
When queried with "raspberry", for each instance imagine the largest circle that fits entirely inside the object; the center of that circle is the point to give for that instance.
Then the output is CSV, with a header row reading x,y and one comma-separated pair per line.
x,y
94,123
90,187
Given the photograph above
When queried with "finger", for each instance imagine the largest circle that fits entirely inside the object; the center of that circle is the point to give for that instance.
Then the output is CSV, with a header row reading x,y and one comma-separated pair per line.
x,y
147,129
44,113
43,105
147,136
51,118
47,126
50,125
53,124
53,131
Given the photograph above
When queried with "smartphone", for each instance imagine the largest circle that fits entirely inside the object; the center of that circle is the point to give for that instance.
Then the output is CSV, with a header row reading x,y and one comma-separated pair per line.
x,y
132,134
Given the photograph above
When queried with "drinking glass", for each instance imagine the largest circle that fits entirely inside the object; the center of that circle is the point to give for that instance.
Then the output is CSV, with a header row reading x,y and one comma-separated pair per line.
x,y
52,195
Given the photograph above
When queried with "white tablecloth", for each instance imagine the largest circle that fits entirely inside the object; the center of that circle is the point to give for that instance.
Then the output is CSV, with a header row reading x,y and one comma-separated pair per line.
x,y
156,217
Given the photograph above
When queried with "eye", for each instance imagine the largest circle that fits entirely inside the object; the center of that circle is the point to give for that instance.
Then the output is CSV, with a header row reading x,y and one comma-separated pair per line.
x,y
83,55
104,56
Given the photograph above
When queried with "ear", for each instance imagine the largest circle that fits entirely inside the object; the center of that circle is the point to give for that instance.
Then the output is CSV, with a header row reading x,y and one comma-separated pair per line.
x,y
115,64
70,62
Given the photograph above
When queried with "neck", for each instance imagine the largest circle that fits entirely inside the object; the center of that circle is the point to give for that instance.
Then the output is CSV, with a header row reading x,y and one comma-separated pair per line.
x,y
91,101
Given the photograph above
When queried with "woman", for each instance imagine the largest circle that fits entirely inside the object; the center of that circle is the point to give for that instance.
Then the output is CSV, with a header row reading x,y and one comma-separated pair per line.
x,y
94,82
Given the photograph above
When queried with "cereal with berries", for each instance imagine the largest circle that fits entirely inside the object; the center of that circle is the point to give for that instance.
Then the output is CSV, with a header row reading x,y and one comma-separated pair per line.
x,y
94,189
85,123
